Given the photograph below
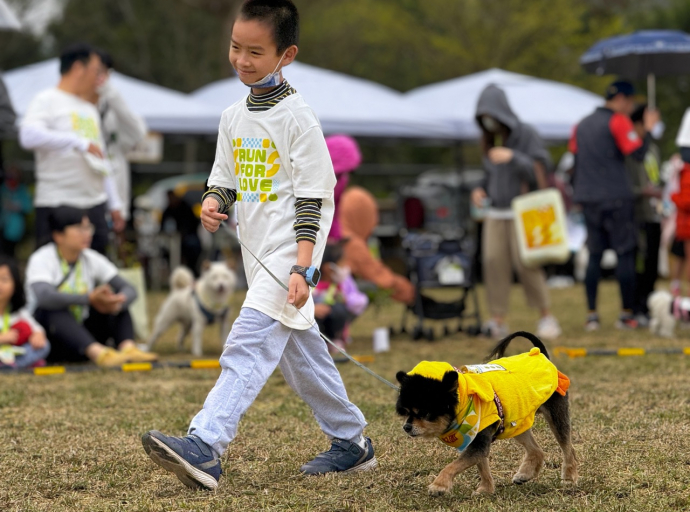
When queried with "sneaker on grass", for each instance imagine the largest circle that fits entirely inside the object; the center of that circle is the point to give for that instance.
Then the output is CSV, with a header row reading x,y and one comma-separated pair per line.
x,y
626,321
189,458
592,324
343,457
548,328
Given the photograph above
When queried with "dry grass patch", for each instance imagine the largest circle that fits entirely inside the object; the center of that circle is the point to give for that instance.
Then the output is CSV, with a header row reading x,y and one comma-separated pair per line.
x,y
71,442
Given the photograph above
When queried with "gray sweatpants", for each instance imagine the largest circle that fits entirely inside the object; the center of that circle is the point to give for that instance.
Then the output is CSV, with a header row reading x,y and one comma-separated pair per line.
x,y
255,346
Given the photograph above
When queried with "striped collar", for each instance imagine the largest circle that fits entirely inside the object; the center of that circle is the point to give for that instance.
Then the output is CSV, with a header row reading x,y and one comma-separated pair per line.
x,y
263,102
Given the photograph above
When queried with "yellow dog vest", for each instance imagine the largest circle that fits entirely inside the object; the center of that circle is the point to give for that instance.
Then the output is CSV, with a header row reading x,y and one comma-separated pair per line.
x,y
522,383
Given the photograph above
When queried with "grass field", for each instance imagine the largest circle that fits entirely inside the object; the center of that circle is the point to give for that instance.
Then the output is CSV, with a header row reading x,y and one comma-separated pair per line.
x,y
72,442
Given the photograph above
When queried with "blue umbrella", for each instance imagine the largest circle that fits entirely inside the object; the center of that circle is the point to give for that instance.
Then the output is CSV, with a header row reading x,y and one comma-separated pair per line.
x,y
646,53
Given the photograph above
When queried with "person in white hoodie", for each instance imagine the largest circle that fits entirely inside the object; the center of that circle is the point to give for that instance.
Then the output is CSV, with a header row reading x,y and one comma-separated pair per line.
x,y
64,131
122,131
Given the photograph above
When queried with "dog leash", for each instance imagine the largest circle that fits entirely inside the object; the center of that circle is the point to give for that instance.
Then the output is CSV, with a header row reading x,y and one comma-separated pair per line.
x,y
325,338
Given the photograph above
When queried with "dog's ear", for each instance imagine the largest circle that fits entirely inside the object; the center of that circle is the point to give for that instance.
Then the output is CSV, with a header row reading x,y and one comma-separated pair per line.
x,y
450,381
205,265
402,377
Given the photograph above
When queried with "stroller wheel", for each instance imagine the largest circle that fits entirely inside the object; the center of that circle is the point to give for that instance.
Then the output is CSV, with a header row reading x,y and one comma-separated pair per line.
x,y
417,333
429,334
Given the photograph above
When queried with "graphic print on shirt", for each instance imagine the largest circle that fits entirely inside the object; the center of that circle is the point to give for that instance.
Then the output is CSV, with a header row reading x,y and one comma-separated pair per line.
x,y
85,126
256,163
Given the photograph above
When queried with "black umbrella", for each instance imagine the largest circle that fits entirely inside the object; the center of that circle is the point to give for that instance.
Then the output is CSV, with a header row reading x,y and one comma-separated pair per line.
x,y
646,53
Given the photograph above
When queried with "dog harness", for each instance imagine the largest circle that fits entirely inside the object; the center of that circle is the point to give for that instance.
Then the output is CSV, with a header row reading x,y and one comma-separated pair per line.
x,y
523,383
210,315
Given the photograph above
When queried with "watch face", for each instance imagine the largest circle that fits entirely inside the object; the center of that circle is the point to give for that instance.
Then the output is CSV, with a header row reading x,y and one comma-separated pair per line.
x,y
313,276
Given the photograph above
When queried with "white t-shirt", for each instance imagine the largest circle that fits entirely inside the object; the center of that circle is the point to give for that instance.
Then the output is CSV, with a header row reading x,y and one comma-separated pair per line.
x,y
44,267
272,158
65,172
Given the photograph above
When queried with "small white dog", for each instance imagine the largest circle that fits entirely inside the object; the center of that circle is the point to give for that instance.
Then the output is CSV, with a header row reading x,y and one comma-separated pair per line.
x,y
665,311
197,304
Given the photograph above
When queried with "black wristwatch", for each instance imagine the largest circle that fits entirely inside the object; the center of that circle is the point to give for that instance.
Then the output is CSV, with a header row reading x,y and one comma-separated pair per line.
x,y
310,274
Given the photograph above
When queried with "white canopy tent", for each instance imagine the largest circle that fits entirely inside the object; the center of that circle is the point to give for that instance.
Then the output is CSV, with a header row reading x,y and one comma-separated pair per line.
x,y
8,20
553,108
165,110
344,104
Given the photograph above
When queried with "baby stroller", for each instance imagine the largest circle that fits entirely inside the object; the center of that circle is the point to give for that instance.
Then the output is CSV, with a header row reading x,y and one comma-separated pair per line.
x,y
438,239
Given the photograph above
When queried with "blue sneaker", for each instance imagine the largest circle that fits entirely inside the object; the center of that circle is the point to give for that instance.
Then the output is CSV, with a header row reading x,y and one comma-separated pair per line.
x,y
343,457
188,457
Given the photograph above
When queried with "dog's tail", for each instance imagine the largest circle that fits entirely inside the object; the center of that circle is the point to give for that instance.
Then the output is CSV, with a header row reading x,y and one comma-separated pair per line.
x,y
500,349
181,278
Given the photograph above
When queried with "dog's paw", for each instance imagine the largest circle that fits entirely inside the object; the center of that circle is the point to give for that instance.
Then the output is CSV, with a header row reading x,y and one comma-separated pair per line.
x,y
522,478
569,477
482,490
436,489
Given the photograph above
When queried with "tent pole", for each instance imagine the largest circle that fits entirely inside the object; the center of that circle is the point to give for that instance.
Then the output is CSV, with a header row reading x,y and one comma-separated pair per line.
x,y
651,91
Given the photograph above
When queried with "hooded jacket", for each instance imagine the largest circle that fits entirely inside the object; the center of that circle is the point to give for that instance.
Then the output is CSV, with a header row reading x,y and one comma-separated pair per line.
x,y
504,181
359,216
522,384
7,115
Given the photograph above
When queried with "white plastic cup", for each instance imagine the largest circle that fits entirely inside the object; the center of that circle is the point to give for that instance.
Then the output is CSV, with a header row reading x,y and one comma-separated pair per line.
x,y
381,340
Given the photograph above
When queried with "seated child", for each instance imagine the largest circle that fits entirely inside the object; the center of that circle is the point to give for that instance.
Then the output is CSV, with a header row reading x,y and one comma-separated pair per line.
x,y
337,300
23,341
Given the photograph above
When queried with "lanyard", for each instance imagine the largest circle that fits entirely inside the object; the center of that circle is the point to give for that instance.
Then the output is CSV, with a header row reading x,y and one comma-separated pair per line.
x,y
77,288
6,322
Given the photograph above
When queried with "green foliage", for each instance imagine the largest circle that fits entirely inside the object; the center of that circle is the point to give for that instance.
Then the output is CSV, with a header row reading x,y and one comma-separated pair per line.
x,y
403,44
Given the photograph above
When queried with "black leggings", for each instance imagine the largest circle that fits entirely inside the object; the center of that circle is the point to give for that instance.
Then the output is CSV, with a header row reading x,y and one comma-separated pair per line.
x,y
647,275
69,338
625,273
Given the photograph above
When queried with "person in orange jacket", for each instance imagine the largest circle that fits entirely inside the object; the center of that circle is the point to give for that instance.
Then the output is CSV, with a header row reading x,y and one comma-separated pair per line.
x,y
358,218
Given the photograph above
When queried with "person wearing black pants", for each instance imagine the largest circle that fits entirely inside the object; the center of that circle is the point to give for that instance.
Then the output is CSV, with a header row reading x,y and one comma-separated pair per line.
x,y
78,297
645,178
600,143
71,339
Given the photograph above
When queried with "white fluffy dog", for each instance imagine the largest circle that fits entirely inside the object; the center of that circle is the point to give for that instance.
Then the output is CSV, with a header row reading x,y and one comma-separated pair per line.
x,y
197,304
665,311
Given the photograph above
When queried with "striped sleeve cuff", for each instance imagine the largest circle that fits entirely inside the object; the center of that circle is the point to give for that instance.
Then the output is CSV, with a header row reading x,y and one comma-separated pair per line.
x,y
307,218
225,196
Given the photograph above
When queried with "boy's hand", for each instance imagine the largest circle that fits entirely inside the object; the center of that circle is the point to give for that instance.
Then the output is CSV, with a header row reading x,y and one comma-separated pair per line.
x,y
37,340
210,218
298,290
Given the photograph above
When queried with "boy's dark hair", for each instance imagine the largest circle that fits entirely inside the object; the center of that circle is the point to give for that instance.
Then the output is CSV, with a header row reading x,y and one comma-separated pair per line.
x,y
79,52
18,299
106,58
65,216
280,15
638,114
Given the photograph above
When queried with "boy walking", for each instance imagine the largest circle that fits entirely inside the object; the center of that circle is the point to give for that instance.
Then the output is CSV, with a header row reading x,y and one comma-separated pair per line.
x,y
272,159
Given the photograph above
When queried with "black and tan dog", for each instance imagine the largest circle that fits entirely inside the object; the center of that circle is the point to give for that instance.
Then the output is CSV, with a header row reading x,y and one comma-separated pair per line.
x,y
470,407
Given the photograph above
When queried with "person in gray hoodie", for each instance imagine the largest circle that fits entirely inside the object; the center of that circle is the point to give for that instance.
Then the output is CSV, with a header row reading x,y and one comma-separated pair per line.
x,y
516,161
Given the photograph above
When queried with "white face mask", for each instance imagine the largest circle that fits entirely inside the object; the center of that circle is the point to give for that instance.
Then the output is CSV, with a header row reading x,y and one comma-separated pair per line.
x,y
270,80
490,124
658,130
